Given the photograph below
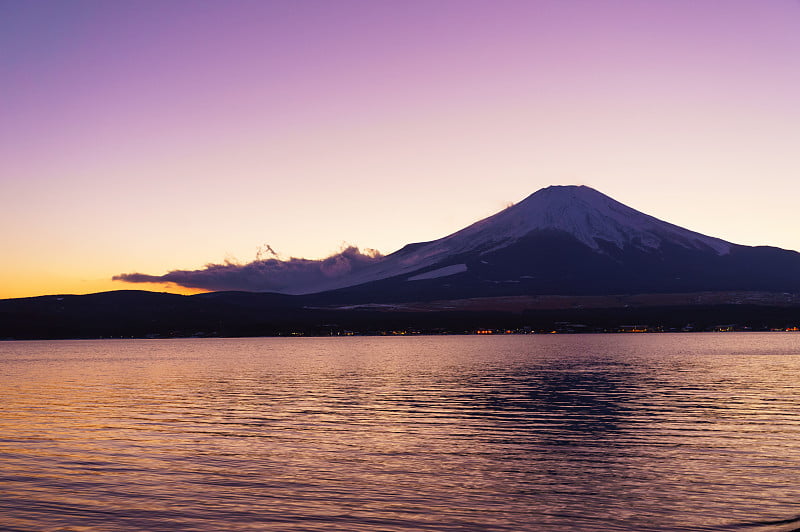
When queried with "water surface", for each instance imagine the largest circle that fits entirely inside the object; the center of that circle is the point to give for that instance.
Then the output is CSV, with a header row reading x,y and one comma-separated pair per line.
x,y
556,432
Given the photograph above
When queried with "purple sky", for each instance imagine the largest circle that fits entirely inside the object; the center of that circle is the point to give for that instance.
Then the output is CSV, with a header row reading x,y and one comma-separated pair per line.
x,y
158,135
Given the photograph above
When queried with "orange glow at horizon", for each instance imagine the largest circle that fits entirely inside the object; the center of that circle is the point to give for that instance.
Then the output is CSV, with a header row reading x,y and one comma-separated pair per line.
x,y
44,286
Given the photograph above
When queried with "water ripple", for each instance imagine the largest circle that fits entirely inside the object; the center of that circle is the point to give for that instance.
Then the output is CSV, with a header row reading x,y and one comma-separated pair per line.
x,y
619,433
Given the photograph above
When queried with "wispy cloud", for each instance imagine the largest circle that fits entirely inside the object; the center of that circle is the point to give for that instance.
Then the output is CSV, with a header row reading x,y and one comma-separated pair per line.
x,y
290,276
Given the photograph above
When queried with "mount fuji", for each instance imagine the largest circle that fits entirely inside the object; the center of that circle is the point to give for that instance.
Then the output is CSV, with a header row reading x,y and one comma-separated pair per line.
x,y
567,240
565,254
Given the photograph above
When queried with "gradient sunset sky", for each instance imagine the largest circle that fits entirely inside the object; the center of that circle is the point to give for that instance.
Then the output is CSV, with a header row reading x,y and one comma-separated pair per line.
x,y
150,136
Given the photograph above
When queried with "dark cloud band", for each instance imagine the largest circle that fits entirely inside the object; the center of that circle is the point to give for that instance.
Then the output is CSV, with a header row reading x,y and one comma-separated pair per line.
x,y
292,276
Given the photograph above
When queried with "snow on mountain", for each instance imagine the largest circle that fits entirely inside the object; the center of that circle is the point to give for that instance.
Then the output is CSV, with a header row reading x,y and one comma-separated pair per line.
x,y
440,272
589,216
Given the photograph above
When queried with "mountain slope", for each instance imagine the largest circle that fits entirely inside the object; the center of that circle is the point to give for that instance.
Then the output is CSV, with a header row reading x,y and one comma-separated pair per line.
x,y
568,240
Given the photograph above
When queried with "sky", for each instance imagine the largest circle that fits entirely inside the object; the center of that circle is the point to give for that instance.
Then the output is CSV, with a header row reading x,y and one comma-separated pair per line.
x,y
150,136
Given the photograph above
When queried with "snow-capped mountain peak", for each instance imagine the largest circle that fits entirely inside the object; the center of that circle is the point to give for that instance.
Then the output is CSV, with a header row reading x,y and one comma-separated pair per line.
x,y
590,217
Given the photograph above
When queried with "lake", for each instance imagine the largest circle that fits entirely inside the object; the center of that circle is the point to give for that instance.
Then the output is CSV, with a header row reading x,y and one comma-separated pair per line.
x,y
633,432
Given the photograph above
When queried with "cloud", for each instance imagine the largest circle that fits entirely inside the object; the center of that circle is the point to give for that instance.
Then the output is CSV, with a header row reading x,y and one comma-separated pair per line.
x,y
291,276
